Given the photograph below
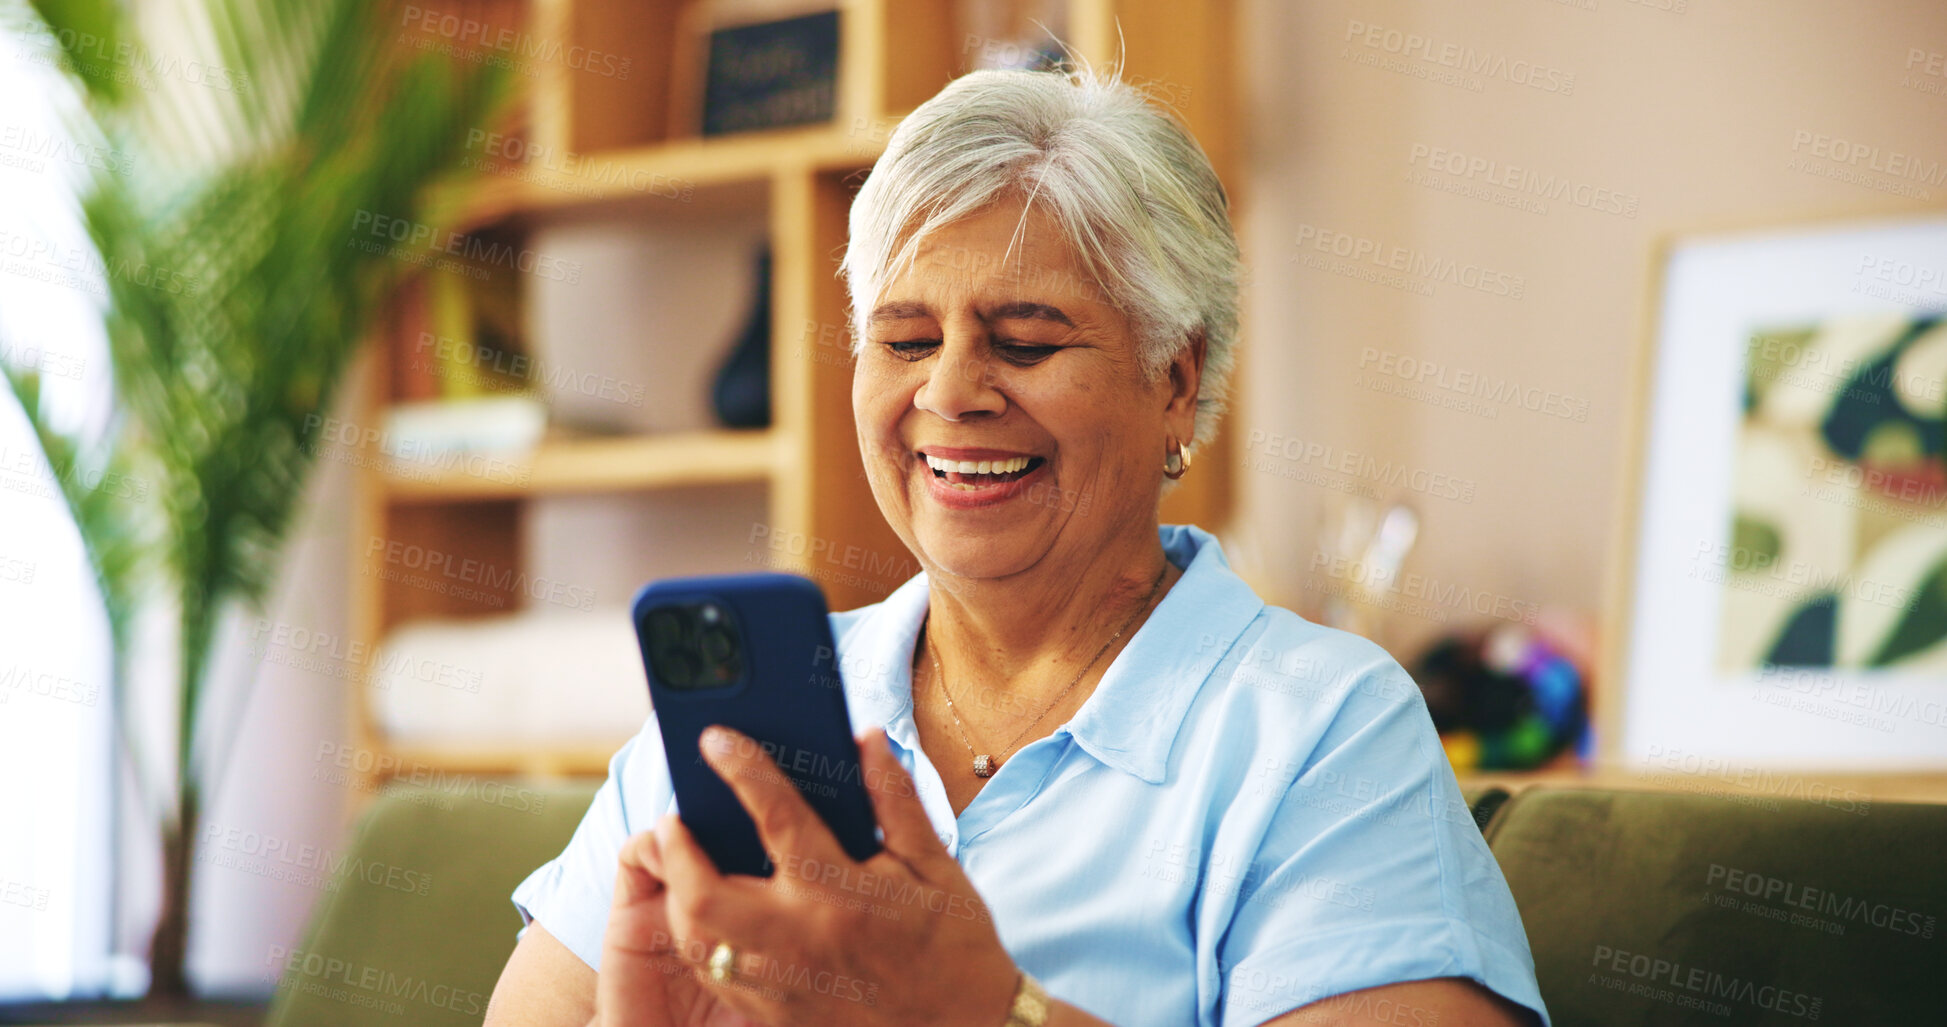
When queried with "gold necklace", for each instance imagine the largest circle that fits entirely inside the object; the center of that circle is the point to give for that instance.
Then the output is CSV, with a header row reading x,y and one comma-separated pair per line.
x,y
984,764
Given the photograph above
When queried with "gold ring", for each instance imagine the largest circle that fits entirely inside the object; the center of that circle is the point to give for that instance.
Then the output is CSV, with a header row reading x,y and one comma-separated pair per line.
x,y
723,963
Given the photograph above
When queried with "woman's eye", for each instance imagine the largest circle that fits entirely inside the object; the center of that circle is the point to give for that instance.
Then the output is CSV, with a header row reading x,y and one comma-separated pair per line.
x,y
912,349
1025,353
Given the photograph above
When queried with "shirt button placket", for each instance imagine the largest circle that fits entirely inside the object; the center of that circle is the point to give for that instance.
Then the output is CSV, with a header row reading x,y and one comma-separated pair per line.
x,y
1009,789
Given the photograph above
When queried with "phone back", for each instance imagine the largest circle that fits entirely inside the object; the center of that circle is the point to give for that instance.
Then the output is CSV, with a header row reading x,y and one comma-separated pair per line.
x,y
752,652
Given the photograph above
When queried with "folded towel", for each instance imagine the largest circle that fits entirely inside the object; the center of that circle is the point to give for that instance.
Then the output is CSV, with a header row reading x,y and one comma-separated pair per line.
x,y
538,676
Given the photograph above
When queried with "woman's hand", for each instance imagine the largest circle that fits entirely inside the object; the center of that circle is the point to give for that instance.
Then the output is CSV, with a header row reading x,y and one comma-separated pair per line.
x,y
901,938
644,981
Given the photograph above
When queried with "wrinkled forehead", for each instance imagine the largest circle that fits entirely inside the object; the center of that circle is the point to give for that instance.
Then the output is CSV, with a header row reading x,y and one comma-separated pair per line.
x,y
1006,250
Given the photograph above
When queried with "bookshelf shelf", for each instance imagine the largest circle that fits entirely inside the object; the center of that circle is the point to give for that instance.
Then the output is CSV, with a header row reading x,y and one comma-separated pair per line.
x,y
589,163
498,758
709,173
479,203
600,464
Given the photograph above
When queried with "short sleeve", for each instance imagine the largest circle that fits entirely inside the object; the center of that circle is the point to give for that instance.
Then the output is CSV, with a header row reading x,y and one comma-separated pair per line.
x,y
1371,872
571,894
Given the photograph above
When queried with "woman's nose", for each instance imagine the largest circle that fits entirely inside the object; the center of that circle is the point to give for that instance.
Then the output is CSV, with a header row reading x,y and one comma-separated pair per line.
x,y
960,384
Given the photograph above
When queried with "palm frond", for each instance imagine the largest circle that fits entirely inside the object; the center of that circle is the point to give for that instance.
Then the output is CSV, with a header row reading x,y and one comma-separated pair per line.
x,y
235,300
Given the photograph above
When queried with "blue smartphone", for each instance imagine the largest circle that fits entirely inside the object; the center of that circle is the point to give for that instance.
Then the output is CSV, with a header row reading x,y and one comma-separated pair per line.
x,y
752,652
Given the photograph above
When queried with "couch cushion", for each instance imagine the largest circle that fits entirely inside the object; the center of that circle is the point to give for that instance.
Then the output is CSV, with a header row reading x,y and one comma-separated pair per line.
x,y
1483,801
1658,907
417,923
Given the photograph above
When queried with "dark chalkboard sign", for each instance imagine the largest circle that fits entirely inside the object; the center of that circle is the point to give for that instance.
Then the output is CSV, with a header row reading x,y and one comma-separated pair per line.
x,y
772,74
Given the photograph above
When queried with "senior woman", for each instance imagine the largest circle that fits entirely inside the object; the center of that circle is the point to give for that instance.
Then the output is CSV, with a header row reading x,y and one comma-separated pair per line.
x,y
1114,785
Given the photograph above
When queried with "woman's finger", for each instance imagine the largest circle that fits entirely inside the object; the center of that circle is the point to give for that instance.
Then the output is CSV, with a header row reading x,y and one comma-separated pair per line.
x,y
705,905
787,825
636,946
895,801
692,879
638,883
707,908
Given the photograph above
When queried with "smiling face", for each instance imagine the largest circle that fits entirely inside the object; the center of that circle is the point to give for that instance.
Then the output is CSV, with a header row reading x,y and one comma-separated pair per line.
x,y
1003,413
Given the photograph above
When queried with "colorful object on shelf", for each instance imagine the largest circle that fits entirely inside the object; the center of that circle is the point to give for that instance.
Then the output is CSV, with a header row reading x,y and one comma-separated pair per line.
x,y
1506,699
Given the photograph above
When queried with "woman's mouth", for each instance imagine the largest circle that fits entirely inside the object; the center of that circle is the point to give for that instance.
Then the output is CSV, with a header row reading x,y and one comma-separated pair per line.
x,y
972,475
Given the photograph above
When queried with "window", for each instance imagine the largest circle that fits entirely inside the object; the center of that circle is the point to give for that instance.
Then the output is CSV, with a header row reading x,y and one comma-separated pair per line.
x,y
57,877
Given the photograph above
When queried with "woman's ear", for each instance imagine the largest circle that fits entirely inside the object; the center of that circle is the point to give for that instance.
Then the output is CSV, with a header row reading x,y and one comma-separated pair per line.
x,y
1185,377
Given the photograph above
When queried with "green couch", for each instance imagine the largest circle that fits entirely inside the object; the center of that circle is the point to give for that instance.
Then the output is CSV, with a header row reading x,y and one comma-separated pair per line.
x,y
1678,908
1641,907
418,923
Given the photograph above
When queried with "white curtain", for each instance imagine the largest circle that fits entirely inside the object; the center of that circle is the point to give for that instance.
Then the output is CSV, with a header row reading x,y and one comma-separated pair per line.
x,y
56,842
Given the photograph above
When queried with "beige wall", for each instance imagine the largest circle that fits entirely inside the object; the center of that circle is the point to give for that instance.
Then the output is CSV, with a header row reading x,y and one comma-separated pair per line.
x,y
1693,113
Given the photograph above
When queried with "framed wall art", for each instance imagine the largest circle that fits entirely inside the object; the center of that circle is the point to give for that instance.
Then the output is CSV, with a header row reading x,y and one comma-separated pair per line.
x,y
1782,596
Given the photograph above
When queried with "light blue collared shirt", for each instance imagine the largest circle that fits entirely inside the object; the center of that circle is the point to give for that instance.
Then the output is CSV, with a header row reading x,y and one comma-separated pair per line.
x,y
1250,813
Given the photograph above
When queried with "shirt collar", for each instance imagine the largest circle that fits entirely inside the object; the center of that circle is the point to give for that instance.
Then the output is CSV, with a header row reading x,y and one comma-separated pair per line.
x,y
1131,720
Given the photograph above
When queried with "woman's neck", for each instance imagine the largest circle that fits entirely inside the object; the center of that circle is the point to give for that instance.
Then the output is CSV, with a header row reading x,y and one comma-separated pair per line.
x,y
1031,632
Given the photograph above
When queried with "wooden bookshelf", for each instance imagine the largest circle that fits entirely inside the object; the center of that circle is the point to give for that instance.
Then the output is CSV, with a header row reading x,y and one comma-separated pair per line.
x,y
614,464
608,149
699,168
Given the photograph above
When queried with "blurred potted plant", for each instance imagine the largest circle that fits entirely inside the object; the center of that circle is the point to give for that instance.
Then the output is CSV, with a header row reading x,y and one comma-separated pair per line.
x,y
236,299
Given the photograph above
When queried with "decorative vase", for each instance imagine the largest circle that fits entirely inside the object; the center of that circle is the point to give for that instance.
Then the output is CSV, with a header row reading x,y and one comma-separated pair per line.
x,y
742,392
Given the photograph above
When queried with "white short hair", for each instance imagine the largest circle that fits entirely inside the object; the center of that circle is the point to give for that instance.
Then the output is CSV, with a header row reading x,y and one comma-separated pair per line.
x,y
1133,192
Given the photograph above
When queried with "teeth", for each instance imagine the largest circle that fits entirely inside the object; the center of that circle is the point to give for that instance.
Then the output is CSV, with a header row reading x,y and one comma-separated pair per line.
x,y
1007,466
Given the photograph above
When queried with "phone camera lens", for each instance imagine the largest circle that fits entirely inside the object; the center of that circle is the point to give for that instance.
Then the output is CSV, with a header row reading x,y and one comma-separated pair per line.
x,y
693,645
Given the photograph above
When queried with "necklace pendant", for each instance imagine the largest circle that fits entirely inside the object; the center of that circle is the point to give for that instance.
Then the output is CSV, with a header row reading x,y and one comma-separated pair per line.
x,y
985,765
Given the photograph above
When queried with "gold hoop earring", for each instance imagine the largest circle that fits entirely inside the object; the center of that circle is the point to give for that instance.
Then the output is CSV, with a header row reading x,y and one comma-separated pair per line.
x,y
1176,463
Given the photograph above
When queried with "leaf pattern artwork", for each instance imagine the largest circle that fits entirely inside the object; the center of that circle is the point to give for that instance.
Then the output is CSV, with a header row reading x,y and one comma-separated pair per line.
x,y
1838,542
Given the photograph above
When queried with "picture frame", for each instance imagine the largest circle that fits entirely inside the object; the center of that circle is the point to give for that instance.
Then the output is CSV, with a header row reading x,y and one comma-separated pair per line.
x,y
1778,594
697,93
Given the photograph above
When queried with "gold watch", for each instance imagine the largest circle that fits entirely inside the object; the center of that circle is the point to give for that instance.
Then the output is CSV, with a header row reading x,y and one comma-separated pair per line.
x,y
1030,1008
